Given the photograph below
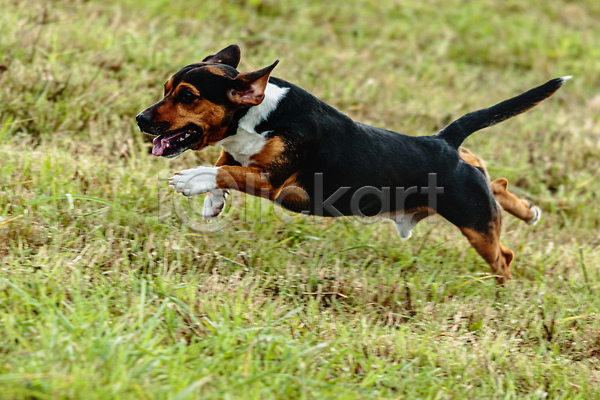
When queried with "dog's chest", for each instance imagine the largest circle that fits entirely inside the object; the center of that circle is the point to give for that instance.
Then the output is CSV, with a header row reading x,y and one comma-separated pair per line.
x,y
243,145
247,142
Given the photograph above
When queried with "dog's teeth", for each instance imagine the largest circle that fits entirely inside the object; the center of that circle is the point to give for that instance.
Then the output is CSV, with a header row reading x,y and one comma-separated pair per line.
x,y
168,144
187,135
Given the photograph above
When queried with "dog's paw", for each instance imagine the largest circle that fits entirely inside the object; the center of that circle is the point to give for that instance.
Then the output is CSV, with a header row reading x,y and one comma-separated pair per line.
x,y
537,214
195,181
214,203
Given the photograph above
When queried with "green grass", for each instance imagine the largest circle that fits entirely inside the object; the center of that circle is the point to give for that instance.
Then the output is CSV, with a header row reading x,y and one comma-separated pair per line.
x,y
110,295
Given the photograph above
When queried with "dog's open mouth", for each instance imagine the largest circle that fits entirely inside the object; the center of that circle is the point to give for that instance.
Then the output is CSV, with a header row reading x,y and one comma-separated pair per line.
x,y
173,144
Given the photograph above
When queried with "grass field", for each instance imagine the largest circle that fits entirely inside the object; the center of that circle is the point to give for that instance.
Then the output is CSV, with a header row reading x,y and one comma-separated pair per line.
x,y
106,293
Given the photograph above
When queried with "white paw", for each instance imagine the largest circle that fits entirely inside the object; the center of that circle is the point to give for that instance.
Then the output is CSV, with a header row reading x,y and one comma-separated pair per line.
x,y
195,181
214,203
537,214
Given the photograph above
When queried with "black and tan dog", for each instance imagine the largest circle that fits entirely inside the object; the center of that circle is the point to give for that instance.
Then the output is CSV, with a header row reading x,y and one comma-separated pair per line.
x,y
281,143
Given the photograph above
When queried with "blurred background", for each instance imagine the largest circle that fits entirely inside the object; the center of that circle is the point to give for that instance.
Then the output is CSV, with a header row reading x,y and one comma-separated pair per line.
x,y
106,292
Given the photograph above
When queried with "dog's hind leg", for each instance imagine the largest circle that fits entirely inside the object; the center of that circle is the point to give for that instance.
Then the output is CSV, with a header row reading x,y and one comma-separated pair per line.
x,y
478,215
521,209
487,244
483,233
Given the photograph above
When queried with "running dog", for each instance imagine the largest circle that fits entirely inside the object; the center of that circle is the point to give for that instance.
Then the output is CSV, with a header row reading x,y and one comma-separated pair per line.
x,y
282,143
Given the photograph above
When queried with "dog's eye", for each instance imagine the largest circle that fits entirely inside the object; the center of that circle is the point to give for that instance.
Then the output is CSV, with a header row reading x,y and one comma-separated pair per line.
x,y
187,97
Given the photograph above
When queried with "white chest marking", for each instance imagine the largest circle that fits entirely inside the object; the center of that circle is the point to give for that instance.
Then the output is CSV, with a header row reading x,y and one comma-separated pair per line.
x,y
247,142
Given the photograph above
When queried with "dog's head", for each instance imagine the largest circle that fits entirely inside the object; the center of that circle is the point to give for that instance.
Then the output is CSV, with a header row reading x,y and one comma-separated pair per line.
x,y
200,102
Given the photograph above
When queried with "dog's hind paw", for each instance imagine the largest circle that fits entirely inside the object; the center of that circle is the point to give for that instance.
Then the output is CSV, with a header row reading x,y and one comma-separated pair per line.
x,y
537,214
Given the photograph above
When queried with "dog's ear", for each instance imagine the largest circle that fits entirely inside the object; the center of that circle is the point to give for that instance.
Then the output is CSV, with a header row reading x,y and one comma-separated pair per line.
x,y
249,88
230,55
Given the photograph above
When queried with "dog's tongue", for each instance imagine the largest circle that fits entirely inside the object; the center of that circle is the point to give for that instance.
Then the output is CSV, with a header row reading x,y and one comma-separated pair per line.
x,y
159,146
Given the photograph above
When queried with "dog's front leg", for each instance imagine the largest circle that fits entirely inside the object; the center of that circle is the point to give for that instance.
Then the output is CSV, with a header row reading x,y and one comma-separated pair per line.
x,y
199,180
214,203
195,181
250,180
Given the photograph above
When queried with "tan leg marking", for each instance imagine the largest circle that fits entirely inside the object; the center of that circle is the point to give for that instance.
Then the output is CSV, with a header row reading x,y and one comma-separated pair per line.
x,y
255,182
249,180
487,244
510,203
292,195
519,208
472,159
226,159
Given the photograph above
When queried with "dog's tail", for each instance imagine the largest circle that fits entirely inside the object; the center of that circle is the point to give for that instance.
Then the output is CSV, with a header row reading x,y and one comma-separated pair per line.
x,y
459,130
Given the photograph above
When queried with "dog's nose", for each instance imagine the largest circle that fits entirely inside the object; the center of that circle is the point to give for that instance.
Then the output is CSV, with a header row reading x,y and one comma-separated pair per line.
x,y
142,119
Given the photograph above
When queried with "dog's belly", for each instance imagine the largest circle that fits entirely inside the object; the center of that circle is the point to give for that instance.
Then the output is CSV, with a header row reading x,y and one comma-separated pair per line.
x,y
381,172
366,201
